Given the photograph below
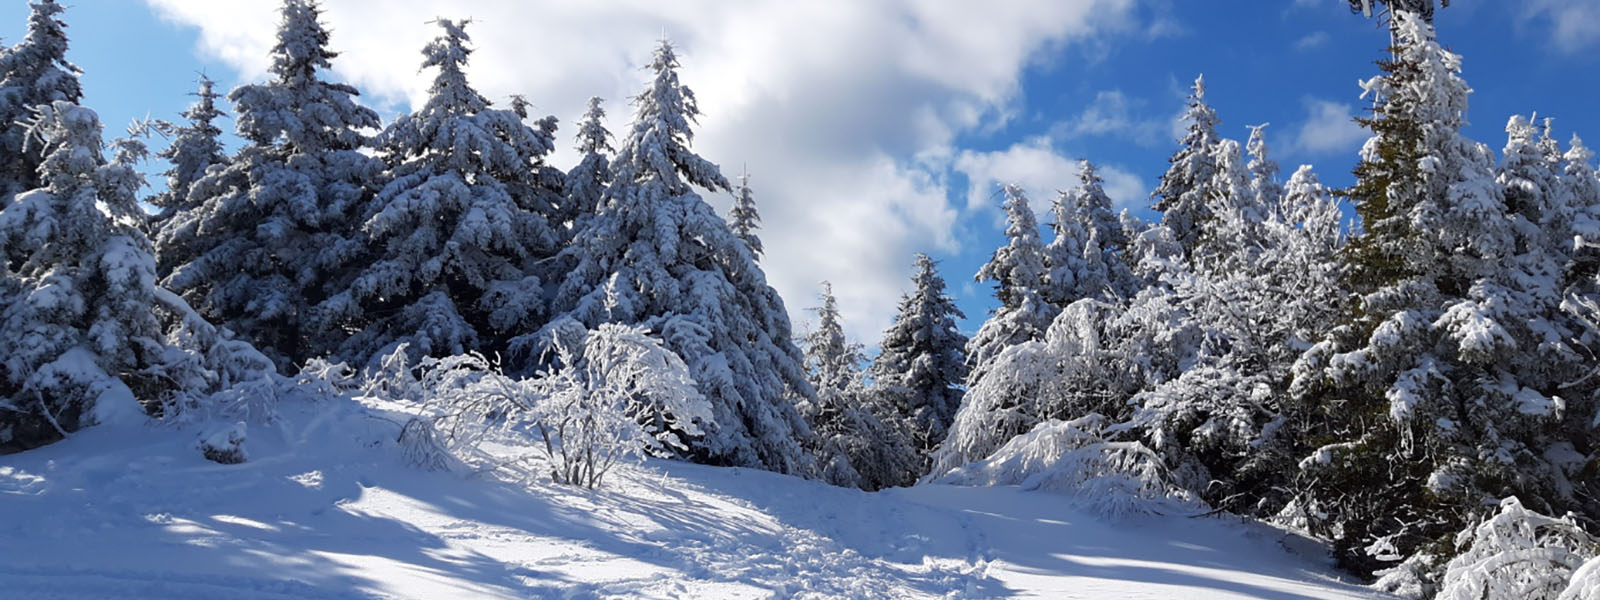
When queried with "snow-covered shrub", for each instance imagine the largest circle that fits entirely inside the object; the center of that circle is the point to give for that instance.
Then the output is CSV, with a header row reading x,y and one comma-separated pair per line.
x,y
624,394
393,377
621,394
1415,578
217,375
1519,553
1110,478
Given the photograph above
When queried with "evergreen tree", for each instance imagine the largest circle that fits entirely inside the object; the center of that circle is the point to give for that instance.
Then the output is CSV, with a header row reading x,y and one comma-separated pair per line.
x,y
270,234
859,443
1421,8
657,255
586,182
743,218
465,214
88,332
1448,385
196,147
32,73
1231,238
1184,192
922,364
985,421
1529,173
1018,272
1088,256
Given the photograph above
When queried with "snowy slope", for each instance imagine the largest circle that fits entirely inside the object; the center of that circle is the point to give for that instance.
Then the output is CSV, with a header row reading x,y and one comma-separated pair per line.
x,y
324,510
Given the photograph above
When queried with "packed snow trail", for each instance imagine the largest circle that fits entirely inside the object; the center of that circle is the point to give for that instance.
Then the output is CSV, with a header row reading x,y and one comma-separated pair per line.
x,y
324,509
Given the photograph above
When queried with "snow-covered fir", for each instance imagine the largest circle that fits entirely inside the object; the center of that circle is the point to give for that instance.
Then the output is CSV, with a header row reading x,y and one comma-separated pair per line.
x,y
861,439
922,363
454,234
89,335
33,72
272,234
655,254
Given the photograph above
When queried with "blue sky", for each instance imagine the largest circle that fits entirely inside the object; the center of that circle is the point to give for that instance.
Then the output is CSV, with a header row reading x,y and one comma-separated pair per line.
x,y
876,129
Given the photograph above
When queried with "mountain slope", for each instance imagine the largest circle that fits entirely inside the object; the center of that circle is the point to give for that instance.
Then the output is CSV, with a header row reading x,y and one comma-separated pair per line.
x,y
324,509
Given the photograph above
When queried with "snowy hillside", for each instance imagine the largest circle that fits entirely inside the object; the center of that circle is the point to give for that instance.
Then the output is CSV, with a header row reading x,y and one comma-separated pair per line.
x,y
134,511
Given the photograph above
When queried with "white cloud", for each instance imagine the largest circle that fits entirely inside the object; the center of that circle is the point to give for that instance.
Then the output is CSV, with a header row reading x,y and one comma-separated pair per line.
x,y
1329,129
1574,24
832,105
1315,39
1041,171
1112,113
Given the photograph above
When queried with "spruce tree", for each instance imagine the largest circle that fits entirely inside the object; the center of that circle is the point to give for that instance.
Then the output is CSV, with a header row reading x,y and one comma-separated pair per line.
x,y
456,230
586,182
34,72
269,235
921,363
1088,256
1020,321
657,255
195,148
1018,272
860,443
743,217
1185,189
1447,385
88,332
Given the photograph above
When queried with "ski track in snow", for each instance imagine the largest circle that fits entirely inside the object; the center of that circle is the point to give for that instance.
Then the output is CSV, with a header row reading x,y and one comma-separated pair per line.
x,y
324,509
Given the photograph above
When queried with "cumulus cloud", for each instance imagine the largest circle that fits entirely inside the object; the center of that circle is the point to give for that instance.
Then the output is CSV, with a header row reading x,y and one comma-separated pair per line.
x,y
1041,171
843,112
1573,25
1329,129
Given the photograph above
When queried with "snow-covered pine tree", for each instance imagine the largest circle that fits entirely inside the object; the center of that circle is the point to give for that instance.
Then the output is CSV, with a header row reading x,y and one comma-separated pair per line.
x,y
1088,256
1448,385
272,232
88,332
859,443
1219,417
1230,238
1018,272
458,227
196,147
1008,404
743,217
1530,172
34,72
586,182
1185,189
657,255
921,363
1263,169
1422,8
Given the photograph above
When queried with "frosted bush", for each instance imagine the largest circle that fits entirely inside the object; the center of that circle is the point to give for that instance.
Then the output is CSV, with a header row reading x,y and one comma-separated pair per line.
x,y
1519,553
1114,479
619,395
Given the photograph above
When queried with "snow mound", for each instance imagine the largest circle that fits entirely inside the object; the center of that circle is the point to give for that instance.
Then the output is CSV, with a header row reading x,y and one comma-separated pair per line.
x,y
226,445
1111,479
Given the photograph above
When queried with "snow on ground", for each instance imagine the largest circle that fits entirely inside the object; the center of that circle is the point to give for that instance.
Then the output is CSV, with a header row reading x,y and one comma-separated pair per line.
x,y
324,509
